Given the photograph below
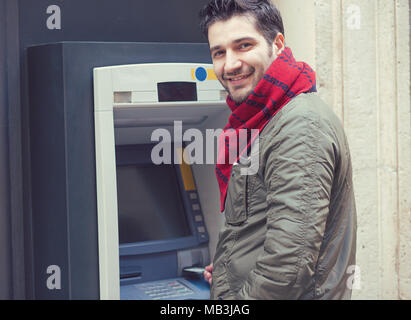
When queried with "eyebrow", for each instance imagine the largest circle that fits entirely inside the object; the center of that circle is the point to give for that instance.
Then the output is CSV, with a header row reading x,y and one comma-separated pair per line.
x,y
235,41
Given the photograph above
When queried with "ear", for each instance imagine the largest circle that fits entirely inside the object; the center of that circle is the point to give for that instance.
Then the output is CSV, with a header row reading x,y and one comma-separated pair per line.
x,y
279,44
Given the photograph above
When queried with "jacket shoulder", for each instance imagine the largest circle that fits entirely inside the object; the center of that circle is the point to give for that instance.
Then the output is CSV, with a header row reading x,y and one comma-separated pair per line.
x,y
304,107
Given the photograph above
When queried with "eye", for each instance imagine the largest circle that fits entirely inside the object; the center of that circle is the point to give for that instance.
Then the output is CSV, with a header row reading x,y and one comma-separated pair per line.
x,y
218,53
245,45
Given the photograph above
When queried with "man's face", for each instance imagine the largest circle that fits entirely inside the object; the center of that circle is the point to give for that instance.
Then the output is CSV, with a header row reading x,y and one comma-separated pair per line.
x,y
240,54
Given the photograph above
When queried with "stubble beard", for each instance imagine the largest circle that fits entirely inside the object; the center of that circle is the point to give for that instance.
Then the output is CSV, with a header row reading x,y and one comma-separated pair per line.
x,y
244,97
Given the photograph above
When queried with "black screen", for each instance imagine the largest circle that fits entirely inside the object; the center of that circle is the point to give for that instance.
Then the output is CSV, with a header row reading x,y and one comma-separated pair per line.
x,y
150,206
177,91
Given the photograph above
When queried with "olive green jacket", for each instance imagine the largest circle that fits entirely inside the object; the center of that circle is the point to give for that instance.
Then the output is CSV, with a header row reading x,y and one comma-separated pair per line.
x,y
290,229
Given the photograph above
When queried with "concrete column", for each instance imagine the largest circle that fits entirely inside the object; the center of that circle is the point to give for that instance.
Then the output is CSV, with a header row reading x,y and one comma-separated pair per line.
x,y
362,60
403,131
387,147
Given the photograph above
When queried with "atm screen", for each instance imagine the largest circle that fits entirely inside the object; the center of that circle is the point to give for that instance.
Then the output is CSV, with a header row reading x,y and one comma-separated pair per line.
x,y
150,206
177,91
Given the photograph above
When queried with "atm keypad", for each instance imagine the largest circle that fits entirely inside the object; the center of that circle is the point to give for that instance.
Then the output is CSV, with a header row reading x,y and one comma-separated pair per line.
x,y
165,289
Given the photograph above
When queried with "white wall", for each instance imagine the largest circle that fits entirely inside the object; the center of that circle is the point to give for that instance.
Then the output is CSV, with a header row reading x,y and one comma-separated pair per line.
x,y
301,39
361,53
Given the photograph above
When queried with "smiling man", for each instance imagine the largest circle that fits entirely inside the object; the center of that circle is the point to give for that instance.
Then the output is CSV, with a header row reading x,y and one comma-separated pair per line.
x,y
290,229
241,55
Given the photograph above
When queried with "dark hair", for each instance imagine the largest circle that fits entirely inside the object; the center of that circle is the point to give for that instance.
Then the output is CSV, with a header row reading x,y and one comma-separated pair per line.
x,y
267,16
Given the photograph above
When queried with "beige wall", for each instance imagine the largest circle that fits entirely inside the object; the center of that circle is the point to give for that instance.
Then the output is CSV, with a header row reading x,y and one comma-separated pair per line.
x,y
361,53
301,39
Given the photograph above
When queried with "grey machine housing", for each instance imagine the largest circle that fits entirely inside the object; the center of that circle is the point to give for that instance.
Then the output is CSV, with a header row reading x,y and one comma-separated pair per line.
x,y
63,165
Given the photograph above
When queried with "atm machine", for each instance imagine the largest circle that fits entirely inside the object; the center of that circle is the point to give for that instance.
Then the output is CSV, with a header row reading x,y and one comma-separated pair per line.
x,y
115,222
152,210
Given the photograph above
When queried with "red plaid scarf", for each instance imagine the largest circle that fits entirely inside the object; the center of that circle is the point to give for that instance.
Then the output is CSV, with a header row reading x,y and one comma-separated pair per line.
x,y
284,79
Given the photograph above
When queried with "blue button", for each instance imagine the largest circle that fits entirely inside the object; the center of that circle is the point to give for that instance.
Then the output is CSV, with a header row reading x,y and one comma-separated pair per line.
x,y
201,74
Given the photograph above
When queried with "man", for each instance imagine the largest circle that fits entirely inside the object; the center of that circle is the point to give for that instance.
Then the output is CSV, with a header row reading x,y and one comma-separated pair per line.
x,y
290,229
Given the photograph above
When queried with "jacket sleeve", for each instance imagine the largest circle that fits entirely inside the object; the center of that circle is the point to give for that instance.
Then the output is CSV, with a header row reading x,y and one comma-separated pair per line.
x,y
299,167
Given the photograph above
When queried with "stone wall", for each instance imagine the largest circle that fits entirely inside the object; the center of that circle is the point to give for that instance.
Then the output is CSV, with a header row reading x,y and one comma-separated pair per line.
x,y
361,53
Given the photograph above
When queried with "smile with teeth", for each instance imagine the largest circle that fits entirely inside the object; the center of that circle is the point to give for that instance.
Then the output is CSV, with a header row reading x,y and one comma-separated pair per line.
x,y
238,79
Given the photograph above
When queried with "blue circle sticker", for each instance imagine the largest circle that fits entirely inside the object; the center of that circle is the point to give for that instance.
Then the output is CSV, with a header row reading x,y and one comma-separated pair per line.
x,y
201,74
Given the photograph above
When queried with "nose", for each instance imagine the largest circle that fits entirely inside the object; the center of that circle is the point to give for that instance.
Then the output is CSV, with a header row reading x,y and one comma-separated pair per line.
x,y
232,62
